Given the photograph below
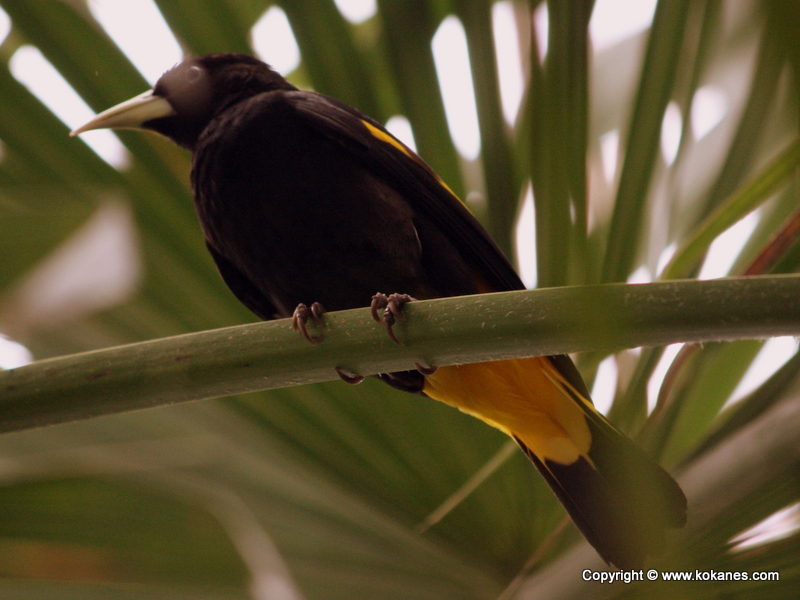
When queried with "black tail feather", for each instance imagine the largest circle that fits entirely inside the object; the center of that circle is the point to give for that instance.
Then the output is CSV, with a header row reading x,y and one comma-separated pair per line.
x,y
618,497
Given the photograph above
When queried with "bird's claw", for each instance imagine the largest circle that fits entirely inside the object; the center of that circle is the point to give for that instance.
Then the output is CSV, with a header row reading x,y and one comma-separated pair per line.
x,y
392,306
302,314
351,378
426,370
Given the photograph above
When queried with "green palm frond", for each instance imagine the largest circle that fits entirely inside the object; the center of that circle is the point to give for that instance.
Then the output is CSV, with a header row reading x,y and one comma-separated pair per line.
x,y
324,489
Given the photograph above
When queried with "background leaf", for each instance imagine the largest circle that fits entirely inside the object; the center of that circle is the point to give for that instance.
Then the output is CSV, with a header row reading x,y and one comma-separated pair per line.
x,y
322,488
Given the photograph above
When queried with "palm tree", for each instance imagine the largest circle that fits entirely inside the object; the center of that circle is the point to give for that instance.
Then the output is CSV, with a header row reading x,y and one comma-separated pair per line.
x,y
334,491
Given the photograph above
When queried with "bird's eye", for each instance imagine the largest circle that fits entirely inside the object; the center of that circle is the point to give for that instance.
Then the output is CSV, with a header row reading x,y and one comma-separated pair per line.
x,y
194,74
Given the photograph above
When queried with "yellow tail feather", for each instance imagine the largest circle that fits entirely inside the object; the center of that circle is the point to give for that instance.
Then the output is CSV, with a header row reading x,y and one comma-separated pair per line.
x,y
618,497
524,398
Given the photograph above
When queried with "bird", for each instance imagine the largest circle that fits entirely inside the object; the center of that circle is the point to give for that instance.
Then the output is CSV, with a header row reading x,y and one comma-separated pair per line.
x,y
308,205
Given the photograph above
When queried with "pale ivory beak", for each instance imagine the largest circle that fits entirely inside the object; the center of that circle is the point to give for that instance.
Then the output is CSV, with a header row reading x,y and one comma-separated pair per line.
x,y
130,114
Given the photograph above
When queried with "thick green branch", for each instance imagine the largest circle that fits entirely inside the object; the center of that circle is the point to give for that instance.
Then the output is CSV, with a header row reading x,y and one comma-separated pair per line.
x,y
438,332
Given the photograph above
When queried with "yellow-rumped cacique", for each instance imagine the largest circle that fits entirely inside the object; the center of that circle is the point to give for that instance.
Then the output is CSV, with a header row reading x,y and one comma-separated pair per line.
x,y
306,202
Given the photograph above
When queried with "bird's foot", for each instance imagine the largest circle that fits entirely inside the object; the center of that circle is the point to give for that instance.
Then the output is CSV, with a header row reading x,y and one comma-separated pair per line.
x,y
302,314
392,307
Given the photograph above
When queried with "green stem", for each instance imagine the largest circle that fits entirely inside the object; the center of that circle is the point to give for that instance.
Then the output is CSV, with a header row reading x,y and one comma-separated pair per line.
x,y
437,332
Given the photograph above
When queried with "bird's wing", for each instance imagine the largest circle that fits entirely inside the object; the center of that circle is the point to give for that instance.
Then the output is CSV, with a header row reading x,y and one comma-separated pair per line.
x,y
402,168
247,293
389,159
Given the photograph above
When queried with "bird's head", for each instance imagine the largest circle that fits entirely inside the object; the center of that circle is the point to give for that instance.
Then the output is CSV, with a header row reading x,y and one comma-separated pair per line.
x,y
189,95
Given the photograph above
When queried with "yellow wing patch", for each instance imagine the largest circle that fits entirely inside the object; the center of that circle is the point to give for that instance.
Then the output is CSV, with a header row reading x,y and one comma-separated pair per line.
x,y
392,141
385,137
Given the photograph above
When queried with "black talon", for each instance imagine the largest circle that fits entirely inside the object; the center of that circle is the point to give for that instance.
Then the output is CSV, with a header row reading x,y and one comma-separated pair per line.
x,y
353,379
389,321
379,302
301,316
317,310
392,310
425,370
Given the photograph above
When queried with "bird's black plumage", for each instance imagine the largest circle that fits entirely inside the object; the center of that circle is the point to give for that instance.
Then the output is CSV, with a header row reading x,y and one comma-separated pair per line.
x,y
304,199
312,186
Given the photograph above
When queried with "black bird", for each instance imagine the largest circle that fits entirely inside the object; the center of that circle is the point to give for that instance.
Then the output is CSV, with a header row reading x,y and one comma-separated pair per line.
x,y
305,201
